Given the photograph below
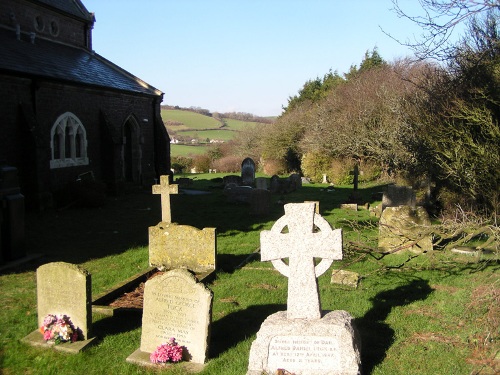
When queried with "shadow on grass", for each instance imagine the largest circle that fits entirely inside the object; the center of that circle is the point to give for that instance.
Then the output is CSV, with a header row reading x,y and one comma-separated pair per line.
x,y
120,322
238,326
377,336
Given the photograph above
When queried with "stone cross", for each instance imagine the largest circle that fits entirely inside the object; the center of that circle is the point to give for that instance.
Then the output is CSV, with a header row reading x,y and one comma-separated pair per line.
x,y
301,244
165,190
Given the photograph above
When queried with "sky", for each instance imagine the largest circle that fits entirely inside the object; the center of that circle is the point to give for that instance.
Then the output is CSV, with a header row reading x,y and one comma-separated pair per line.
x,y
244,55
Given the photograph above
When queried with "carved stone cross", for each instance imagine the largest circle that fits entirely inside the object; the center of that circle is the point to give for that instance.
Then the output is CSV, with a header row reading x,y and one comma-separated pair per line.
x,y
301,244
165,190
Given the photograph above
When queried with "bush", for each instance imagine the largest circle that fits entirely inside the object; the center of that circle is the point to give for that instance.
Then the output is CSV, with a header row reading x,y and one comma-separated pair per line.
x,y
273,167
181,163
201,163
340,171
315,164
227,164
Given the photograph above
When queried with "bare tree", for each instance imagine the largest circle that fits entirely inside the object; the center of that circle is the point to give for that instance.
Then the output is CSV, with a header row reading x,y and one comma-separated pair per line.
x,y
439,20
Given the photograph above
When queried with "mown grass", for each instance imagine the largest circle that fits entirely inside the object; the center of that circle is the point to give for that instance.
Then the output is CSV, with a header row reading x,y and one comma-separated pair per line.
x,y
191,120
426,317
187,150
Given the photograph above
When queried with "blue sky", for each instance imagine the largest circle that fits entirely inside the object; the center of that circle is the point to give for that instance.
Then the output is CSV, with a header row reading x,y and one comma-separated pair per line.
x,y
243,55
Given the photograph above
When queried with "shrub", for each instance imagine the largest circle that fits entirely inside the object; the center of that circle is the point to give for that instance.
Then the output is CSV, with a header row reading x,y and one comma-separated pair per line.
x,y
227,164
340,170
273,167
315,164
201,163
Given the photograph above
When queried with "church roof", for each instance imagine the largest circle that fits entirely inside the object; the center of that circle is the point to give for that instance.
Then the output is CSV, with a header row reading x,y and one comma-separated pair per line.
x,y
72,7
47,59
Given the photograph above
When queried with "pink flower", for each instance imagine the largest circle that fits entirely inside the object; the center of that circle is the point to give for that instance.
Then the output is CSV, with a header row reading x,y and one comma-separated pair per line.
x,y
47,335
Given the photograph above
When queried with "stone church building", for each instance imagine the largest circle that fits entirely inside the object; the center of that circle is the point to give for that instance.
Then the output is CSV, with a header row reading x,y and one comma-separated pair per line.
x,y
68,114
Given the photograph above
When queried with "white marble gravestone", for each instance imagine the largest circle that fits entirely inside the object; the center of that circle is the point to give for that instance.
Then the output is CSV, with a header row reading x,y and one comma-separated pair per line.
x,y
304,340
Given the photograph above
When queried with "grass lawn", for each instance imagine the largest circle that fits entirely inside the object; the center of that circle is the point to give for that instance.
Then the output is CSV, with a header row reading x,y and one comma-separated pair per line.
x,y
434,315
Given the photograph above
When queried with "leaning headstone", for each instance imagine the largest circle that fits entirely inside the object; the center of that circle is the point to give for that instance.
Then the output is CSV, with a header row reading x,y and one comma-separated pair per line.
x,y
405,228
261,183
398,196
182,246
175,306
304,339
64,289
248,172
165,189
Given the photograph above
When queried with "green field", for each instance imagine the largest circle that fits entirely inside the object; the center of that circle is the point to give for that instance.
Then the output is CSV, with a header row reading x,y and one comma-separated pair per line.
x,y
201,127
187,150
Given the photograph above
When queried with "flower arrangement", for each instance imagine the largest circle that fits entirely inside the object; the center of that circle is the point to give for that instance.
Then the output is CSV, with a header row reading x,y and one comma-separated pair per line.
x,y
169,352
58,329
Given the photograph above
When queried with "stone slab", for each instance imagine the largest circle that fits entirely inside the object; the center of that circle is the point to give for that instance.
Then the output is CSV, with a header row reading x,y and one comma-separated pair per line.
x,y
35,338
329,345
344,277
406,228
174,246
142,359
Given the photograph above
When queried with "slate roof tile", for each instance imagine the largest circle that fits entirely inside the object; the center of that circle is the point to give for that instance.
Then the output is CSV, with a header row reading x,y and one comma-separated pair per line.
x,y
48,59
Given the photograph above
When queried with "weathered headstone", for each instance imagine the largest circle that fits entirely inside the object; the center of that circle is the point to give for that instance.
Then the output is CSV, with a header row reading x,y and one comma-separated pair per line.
x,y
261,183
405,228
182,246
260,202
274,184
175,305
295,181
165,189
64,289
302,340
231,179
248,172
398,196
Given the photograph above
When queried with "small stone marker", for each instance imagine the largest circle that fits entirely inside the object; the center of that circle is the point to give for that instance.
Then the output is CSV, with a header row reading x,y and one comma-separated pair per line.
x,y
165,189
300,340
64,288
175,305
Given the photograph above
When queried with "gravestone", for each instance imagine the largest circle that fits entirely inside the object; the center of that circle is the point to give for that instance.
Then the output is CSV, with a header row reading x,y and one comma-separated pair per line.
x,y
182,246
260,202
261,183
165,189
175,305
231,179
304,340
248,172
64,288
295,181
405,228
398,196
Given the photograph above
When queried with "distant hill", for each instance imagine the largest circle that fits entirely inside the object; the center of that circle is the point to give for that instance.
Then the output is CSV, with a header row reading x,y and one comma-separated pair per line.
x,y
196,128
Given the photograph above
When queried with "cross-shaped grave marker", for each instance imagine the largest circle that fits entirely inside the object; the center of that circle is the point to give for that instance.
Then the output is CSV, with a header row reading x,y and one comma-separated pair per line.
x,y
165,189
301,245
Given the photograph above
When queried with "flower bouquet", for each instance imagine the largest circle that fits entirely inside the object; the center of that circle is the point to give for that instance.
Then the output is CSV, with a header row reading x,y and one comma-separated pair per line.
x,y
169,352
58,329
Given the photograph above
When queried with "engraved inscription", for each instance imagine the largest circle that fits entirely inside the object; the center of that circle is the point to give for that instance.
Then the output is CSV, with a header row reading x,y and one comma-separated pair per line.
x,y
303,352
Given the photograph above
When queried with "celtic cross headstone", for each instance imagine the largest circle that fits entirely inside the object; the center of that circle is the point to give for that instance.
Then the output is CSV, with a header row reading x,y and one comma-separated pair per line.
x,y
301,244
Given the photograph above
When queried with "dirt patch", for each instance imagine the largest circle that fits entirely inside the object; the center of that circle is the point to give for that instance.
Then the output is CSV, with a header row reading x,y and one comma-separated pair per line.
x,y
135,298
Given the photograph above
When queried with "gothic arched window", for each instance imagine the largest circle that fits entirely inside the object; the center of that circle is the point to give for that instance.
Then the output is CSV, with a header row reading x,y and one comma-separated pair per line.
x,y
68,142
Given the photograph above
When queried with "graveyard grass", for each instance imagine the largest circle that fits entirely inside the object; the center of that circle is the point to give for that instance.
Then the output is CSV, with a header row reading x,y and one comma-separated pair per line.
x,y
435,315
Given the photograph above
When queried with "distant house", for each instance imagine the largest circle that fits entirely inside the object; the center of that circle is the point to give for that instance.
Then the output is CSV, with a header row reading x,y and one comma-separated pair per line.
x,y
67,111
